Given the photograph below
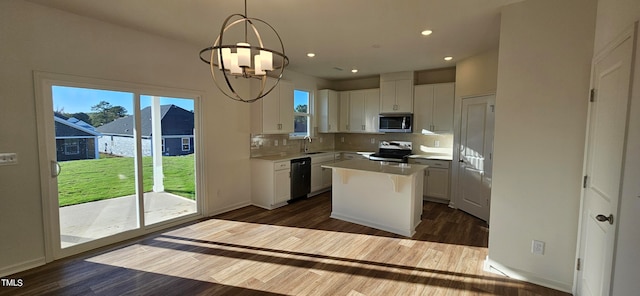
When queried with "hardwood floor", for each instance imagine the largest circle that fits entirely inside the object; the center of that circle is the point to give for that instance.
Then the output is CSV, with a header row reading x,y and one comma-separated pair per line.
x,y
294,250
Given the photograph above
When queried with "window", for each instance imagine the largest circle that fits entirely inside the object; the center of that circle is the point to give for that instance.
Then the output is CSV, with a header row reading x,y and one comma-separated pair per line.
x,y
71,147
186,144
302,113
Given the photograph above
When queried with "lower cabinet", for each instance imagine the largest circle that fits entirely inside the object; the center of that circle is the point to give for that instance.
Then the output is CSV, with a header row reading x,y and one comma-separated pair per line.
x,y
320,177
436,179
270,183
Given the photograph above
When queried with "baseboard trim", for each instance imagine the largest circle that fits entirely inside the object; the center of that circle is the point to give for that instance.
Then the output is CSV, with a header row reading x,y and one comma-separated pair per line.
x,y
339,216
497,268
230,208
15,268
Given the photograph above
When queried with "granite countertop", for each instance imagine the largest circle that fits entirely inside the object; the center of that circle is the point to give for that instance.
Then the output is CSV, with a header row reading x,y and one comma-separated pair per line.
x,y
448,157
378,167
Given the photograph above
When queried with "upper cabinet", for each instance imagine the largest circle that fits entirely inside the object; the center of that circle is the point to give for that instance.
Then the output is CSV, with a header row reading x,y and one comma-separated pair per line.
x,y
328,111
364,108
396,92
433,105
273,114
343,120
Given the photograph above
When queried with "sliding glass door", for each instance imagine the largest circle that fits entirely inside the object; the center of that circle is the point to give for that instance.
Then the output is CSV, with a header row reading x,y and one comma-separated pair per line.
x,y
120,161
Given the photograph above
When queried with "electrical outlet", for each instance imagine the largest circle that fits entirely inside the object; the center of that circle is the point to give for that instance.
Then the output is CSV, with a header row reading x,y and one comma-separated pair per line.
x,y
373,140
320,139
275,143
537,247
436,143
284,142
8,158
342,139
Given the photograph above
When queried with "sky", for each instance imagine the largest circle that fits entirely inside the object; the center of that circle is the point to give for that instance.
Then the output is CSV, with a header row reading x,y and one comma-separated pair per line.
x,y
300,98
74,100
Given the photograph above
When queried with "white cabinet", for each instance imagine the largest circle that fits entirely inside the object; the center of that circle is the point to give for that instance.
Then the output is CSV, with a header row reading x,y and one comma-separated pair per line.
x,y
270,183
433,108
436,179
320,177
273,114
396,96
364,108
343,120
328,111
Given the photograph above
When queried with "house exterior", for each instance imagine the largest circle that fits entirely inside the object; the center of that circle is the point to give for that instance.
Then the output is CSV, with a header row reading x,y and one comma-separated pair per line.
x,y
177,133
75,139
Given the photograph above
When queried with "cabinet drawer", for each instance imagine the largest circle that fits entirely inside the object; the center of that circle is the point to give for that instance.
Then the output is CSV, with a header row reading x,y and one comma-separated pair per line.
x,y
281,165
434,163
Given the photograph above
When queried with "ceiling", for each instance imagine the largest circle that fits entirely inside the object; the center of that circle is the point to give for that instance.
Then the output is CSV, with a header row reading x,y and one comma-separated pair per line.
x,y
373,36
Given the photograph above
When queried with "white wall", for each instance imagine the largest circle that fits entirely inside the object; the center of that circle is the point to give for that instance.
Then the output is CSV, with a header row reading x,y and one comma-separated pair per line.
x,y
613,17
475,76
541,110
38,38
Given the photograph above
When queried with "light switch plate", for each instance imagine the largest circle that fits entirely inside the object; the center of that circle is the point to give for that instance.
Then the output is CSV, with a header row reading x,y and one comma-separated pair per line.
x,y
8,158
537,247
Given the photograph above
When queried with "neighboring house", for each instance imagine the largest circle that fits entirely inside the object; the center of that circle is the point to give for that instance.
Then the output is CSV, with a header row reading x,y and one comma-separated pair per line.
x,y
75,139
177,133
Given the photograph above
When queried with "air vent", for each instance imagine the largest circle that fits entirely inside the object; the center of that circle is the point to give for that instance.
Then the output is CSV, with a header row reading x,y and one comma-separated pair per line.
x,y
338,68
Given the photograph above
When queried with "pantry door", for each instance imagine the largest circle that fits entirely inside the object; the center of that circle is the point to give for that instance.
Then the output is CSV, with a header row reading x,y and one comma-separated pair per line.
x,y
476,154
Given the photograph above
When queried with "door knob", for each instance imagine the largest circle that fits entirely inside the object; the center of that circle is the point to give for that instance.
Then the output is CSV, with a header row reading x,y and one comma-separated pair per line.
x,y
603,218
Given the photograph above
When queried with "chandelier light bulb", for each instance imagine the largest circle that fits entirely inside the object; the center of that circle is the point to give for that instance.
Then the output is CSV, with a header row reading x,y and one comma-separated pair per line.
x,y
266,57
234,67
244,54
257,61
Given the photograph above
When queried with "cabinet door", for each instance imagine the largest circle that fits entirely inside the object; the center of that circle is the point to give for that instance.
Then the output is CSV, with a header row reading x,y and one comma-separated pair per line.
x,y
326,178
438,183
282,181
316,177
444,98
343,121
332,116
323,110
356,111
286,106
371,110
423,108
404,96
271,112
387,96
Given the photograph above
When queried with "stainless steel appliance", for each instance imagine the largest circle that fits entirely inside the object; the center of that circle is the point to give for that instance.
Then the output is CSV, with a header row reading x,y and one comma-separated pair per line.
x,y
395,123
300,178
393,151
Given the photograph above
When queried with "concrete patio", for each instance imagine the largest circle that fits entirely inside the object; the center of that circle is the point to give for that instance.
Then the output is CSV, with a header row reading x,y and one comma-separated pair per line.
x,y
88,221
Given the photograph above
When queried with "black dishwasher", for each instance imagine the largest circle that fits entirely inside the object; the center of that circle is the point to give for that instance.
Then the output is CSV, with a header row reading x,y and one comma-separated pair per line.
x,y
300,178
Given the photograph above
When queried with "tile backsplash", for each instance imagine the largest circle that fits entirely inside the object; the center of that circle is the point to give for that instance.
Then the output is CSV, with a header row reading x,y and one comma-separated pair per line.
x,y
262,145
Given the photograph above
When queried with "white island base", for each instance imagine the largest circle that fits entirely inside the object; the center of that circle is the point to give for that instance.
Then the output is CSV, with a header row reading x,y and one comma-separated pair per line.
x,y
385,197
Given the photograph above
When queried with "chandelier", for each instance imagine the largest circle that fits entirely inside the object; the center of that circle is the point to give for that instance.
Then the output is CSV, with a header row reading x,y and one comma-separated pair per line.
x,y
231,61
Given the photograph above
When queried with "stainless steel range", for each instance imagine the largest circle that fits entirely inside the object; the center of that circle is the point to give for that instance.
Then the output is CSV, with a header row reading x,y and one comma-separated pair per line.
x,y
393,151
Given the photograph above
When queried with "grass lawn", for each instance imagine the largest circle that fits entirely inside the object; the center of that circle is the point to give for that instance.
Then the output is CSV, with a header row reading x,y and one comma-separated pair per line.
x,y
83,181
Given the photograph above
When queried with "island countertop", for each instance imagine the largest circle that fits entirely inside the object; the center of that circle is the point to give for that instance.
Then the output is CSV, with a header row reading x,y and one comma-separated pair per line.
x,y
377,167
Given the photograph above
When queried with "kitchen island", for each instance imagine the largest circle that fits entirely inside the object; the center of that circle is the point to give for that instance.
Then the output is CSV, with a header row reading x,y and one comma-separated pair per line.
x,y
379,195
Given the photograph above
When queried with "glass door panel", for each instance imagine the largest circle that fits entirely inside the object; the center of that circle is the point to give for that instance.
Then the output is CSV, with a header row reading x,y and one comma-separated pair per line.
x,y
96,150
168,146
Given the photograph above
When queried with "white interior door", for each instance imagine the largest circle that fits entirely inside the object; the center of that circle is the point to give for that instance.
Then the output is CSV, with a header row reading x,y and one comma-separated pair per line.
x,y
603,167
476,148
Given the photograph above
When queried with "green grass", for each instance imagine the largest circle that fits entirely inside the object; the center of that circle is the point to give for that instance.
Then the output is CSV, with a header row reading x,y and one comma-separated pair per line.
x,y
89,180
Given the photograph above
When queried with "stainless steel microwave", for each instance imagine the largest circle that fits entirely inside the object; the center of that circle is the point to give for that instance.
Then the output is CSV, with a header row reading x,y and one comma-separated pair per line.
x,y
395,123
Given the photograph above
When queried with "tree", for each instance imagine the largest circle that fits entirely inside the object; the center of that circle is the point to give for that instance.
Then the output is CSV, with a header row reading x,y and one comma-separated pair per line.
x,y
105,113
301,109
82,116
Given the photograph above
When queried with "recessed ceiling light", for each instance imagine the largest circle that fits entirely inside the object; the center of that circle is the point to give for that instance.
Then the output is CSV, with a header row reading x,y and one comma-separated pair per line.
x,y
311,54
448,58
354,71
426,32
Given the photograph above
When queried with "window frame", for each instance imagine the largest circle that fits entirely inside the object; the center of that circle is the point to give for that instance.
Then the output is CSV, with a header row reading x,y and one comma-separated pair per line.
x,y
309,115
188,145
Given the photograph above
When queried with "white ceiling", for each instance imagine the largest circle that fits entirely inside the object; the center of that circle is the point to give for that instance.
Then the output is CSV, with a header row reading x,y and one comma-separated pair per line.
x,y
374,36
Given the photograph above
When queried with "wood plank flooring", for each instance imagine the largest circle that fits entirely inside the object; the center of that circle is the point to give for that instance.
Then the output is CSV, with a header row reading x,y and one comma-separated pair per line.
x,y
294,250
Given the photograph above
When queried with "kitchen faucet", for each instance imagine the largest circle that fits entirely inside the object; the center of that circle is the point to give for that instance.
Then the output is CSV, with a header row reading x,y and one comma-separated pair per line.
x,y
306,148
